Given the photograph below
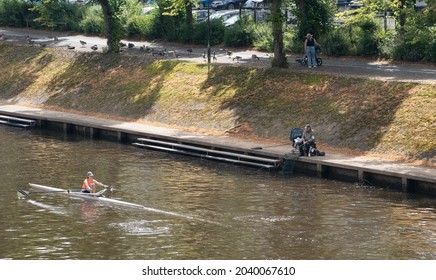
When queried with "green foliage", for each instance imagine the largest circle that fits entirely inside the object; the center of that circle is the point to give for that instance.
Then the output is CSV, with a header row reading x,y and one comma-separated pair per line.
x,y
238,34
262,37
15,13
410,51
139,26
55,14
365,39
387,42
313,16
431,51
336,43
290,44
93,22
217,31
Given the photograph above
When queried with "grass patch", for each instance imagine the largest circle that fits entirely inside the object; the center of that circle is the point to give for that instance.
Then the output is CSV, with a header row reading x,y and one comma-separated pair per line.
x,y
353,113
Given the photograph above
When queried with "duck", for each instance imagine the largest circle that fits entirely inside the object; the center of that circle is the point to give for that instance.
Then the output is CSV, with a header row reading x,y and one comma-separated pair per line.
x,y
237,58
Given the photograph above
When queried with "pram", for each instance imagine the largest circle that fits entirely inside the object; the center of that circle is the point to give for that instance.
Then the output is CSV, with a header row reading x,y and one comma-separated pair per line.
x,y
296,141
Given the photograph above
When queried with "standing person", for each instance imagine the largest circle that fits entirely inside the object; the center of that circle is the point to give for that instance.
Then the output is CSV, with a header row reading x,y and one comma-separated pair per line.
x,y
88,185
309,48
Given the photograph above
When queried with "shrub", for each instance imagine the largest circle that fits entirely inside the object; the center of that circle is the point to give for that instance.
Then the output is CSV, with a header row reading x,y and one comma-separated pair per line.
x,y
410,51
262,37
139,26
16,13
93,22
430,53
237,35
387,43
336,43
217,30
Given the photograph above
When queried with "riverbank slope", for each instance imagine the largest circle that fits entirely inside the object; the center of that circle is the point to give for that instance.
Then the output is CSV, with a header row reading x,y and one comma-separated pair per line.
x,y
349,114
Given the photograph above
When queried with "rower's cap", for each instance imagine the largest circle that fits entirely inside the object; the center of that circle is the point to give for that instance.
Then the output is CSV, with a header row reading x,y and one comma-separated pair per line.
x,y
89,174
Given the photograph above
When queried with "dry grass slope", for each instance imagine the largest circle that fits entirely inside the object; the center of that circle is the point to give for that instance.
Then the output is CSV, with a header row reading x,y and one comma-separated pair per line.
x,y
356,114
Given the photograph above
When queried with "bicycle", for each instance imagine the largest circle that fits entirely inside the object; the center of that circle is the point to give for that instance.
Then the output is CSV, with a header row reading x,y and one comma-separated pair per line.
x,y
303,61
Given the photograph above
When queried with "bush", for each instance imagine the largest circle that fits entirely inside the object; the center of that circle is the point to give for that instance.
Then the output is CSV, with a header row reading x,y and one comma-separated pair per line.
x,y
217,31
336,43
387,43
410,51
16,13
139,26
290,43
262,37
237,35
93,22
430,53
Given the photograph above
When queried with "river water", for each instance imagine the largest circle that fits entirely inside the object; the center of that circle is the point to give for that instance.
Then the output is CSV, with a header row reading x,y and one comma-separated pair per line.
x,y
194,209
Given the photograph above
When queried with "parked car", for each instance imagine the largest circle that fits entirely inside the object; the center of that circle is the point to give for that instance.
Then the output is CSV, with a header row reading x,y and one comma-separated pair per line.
x,y
147,10
231,20
203,3
201,15
225,15
257,4
227,4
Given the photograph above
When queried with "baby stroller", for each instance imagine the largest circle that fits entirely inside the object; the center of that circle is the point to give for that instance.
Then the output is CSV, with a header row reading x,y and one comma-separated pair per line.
x,y
295,137
303,61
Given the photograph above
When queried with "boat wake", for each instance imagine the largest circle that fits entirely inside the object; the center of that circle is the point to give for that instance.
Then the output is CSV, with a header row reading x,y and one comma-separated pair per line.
x,y
52,209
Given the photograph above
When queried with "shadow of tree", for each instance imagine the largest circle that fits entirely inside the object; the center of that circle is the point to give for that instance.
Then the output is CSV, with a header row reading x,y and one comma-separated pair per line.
x,y
20,68
346,112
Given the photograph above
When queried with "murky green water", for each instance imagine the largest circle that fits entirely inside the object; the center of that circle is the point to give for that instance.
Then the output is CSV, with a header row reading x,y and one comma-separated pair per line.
x,y
196,209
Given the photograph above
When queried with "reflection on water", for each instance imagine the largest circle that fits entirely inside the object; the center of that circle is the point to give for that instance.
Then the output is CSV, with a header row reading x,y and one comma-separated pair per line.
x,y
194,209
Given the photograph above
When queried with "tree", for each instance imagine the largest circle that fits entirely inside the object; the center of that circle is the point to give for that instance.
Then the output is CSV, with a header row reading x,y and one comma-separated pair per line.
x,y
313,16
277,19
111,13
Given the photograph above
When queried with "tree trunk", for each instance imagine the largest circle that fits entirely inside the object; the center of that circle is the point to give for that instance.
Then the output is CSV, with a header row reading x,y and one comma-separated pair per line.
x,y
189,19
113,31
279,60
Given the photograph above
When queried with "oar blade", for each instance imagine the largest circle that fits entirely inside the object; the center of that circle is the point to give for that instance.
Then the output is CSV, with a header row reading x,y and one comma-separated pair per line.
x,y
22,193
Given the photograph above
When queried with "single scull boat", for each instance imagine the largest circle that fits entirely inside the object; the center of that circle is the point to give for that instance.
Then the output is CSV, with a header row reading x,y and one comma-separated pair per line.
x,y
100,197
77,193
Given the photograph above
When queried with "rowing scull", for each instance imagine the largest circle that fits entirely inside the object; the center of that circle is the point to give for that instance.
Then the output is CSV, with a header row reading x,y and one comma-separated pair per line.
x,y
89,196
99,197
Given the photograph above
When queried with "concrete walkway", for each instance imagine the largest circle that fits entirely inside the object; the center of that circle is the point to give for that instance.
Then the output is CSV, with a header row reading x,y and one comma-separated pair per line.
x,y
409,175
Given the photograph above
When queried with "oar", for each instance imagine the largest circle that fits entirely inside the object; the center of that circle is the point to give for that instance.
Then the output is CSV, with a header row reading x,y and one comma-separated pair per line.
x,y
23,193
260,148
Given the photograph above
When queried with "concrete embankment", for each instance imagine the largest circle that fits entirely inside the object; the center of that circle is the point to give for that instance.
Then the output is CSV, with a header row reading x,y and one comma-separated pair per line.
x,y
365,170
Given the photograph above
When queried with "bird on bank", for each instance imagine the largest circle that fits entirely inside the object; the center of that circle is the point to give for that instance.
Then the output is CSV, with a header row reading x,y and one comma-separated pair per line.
x,y
130,45
254,57
237,58
83,43
229,53
94,48
29,40
71,47
122,44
